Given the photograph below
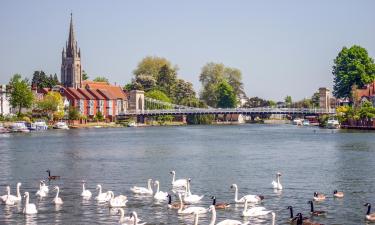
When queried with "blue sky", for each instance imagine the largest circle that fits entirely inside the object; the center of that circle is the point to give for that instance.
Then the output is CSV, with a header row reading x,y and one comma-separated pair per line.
x,y
282,47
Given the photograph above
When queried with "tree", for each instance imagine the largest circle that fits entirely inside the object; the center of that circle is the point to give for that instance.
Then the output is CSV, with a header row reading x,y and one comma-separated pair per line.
x,y
151,66
41,80
84,75
182,90
99,116
234,78
352,66
158,95
196,119
73,113
166,79
144,82
52,104
21,95
101,79
288,100
226,95
315,100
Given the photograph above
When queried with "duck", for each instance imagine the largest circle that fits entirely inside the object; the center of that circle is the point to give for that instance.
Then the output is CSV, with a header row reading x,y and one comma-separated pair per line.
x,y
369,216
254,211
276,183
159,195
313,212
250,198
175,205
118,201
178,183
220,205
143,190
338,194
212,209
190,198
319,197
299,221
41,192
85,193
52,177
57,200
190,210
102,197
30,208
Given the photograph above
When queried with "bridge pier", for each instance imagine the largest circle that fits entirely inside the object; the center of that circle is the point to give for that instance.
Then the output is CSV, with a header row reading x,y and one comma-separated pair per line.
x,y
140,119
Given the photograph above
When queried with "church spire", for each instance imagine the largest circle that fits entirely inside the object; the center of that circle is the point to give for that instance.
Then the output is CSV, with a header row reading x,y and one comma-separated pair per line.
x,y
71,48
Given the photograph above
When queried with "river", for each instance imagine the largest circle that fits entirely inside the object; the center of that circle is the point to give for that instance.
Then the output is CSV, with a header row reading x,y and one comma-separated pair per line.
x,y
310,159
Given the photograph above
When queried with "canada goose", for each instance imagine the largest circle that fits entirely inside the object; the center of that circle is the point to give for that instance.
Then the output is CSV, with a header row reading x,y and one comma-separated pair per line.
x,y
299,221
319,197
313,212
220,205
369,216
338,194
292,218
52,177
174,205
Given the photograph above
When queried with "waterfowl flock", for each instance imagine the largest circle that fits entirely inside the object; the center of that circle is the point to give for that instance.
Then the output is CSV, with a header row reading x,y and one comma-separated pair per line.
x,y
187,204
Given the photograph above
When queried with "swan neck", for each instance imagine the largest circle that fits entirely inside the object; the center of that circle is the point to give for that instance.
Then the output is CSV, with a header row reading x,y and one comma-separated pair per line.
x,y
235,194
273,219
18,191
196,218
245,206
149,185
173,177
157,187
135,219
57,192
83,186
27,199
213,217
181,203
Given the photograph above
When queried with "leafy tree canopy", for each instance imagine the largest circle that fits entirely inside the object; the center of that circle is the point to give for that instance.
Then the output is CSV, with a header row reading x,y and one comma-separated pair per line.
x,y
21,95
41,80
158,95
52,103
226,95
101,79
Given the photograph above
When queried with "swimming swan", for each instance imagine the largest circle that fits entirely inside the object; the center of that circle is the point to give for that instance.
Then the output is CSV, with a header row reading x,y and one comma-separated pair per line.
x,y
29,207
57,200
102,197
44,187
159,195
178,183
190,198
254,211
85,193
276,184
41,192
118,201
190,210
224,222
143,190
250,198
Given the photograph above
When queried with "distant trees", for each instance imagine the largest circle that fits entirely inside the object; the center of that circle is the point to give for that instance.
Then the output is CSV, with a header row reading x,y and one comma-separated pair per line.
x,y
225,95
255,102
84,75
101,79
352,66
288,100
41,80
21,95
52,104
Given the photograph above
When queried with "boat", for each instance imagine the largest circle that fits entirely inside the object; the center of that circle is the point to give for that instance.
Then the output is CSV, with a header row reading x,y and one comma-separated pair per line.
x,y
132,124
3,130
306,123
333,124
37,125
297,121
61,125
19,126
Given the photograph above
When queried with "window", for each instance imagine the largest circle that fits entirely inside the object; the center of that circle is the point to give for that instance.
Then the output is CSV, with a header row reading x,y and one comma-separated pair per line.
x,y
91,107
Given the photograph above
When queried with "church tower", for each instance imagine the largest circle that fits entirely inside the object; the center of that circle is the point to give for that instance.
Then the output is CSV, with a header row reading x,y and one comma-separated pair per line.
x,y
71,71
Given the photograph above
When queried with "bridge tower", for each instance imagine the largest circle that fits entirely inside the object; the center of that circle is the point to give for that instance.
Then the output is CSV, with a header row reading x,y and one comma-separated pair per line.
x,y
137,100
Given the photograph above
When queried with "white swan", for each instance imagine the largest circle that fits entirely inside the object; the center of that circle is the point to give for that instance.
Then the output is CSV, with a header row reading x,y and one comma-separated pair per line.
x,y
9,200
254,211
85,193
142,190
190,210
129,220
190,198
118,201
5,197
57,200
250,198
178,183
224,222
276,183
160,195
41,192
102,197
44,187
18,197
29,207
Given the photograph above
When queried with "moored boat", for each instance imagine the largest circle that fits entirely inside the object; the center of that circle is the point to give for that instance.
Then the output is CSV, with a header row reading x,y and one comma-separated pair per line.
x,y
306,123
297,121
19,126
333,124
61,125
3,130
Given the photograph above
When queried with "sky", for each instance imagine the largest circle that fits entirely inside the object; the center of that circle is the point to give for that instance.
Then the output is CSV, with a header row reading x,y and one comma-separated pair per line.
x,y
282,47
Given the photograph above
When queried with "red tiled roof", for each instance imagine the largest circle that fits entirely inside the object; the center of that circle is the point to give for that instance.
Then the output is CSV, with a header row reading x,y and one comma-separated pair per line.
x,y
115,91
106,94
95,93
75,93
85,93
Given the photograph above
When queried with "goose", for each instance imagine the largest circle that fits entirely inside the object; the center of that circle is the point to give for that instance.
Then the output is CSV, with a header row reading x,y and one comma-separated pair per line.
x,y
41,192
159,195
102,197
224,222
250,198
313,212
127,220
142,190
338,194
44,187
299,220
221,205
57,200
190,198
190,210
319,197
179,182
369,216
118,201
52,177
175,205
85,193
276,184
254,211
29,207
291,218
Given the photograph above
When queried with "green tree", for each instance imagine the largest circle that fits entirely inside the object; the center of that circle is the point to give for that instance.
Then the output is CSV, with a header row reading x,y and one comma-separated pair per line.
x,y
99,116
352,66
21,95
288,100
52,104
196,119
144,82
41,80
226,95
315,100
166,79
151,66
158,95
234,78
101,79
84,75
182,90
73,113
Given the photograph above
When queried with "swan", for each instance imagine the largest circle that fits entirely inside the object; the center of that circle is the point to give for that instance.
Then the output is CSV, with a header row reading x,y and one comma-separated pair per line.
x,y
254,211
5,197
102,197
369,216
118,201
190,198
159,195
142,190
224,222
178,183
127,220
57,200
8,200
29,207
41,192
250,198
276,184
85,193
16,198
44,187
190,210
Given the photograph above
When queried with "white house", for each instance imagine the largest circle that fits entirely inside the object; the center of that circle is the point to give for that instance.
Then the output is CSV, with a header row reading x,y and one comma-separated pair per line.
x,y
5,108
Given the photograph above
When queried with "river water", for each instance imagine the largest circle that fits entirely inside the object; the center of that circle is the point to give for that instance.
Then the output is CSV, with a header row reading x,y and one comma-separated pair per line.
x,y
310,159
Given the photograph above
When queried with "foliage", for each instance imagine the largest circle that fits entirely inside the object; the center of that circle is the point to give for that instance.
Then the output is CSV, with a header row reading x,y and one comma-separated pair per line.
x,y
365,112
51,104
158,95
166,79
41,80
225,95
315,100
21,95
144,82
151,66
196,119
84,75
161,96
101,79
73,113
288,100
255,102
352,66
304,103
128,87
99,116
182,90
